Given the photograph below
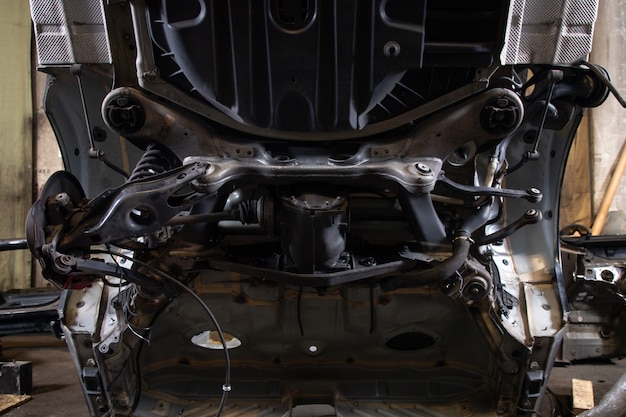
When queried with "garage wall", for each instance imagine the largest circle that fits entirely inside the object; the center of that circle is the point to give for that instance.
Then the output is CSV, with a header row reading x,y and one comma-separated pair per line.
x,y
15,138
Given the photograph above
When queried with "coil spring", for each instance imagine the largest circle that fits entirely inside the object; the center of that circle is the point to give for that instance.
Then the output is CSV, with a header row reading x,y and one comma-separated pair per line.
x,y
152,162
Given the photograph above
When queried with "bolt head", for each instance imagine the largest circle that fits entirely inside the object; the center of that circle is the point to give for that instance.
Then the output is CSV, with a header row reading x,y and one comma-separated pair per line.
x,y
423,168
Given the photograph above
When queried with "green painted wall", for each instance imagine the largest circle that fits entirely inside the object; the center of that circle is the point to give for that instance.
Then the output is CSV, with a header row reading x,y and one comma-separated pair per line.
x,y
15,138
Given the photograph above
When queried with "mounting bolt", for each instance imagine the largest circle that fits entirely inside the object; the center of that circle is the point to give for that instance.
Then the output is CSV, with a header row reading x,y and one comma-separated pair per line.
x,y
63,199
64,260
423,168
391,49
369,261
534,195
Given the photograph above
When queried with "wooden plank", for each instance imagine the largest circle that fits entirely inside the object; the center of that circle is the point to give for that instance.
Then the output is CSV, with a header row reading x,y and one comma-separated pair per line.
x,y
9,401
15,138
582,395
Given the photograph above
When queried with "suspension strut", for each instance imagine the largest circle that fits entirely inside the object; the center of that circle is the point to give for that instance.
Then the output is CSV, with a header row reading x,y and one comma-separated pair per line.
x,y
155,160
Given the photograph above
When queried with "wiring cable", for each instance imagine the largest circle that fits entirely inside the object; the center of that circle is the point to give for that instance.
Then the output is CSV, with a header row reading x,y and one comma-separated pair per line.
x,y
136,333
602,75
299,311
226,388
525,410
122,276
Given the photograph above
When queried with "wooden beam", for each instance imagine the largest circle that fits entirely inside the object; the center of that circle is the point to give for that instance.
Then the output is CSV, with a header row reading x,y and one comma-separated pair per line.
x,y
15,138
576,192
582,395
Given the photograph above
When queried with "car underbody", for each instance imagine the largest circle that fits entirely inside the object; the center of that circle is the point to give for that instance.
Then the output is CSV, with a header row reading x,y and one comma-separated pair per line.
x,y
273,205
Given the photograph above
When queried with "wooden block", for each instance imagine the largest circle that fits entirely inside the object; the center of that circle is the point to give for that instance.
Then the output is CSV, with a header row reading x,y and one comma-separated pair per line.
x,y
9,401
16,377
582,395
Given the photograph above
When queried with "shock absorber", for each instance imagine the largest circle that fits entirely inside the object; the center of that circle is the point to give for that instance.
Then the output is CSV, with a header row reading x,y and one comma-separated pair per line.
x,y
155,160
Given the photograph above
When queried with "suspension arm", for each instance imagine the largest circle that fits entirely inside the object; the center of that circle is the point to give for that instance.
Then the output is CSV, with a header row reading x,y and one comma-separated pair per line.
x,y
69,266
137,208
533,195
532,216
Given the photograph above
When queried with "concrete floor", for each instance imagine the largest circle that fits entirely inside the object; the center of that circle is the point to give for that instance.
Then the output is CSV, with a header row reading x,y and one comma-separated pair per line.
x,y
56,391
